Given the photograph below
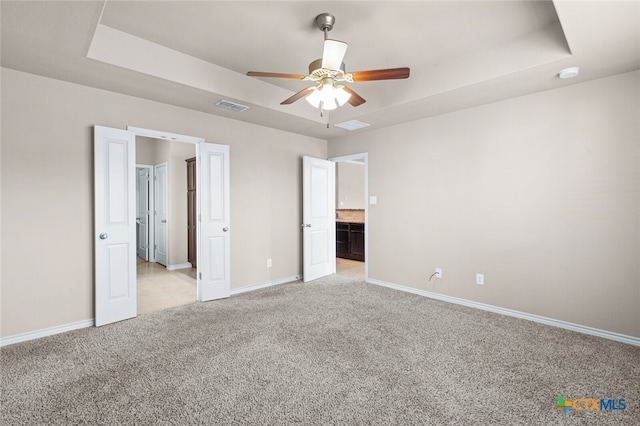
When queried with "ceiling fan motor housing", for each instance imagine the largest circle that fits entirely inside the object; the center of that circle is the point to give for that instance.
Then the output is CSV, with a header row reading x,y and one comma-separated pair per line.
x,y
325,22
315,68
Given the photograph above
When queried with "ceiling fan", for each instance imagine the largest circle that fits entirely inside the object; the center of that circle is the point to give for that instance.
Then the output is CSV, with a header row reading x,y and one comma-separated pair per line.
x,y
329,72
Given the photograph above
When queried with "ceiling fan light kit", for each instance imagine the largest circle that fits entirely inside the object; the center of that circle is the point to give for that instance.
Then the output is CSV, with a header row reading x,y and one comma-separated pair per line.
x,y
329,72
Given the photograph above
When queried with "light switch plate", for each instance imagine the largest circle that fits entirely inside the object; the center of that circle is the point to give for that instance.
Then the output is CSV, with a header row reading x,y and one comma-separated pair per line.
x,y
373,200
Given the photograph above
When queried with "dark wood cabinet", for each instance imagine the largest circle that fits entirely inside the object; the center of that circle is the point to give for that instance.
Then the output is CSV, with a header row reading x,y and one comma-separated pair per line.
x,y
350,240
342,240
191,212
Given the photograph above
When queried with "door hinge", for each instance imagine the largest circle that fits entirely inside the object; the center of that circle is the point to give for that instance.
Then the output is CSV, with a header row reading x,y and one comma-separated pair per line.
x,y
155,247
199,275
199,218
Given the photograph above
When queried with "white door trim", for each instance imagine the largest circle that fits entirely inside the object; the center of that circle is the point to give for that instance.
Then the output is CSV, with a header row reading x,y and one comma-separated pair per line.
x,y
158,134
351,159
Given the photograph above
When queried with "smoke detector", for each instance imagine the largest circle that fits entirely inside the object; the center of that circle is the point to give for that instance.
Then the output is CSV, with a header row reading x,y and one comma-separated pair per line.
x,y
569,72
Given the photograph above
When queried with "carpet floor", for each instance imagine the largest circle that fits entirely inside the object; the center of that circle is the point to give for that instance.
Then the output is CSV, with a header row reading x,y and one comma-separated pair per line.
x,y
335,351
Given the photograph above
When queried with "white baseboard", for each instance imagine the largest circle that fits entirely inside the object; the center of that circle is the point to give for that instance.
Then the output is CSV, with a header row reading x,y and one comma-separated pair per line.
x,y
10,340
179,266
265,284
512,313
17,338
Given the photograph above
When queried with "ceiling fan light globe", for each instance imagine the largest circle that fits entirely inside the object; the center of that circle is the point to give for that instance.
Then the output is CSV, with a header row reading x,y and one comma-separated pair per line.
x,y
329,106
314,98
328,93
342,96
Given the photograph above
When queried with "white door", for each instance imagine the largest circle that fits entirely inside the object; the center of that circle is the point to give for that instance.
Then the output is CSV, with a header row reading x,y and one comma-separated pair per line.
x,y
115,227
319,218
142,212
214,246
160,214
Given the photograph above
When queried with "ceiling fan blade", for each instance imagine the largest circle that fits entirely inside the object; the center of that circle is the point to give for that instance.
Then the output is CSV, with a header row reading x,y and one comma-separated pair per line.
x,y
275,74
355,99
387,74
333,54
301,94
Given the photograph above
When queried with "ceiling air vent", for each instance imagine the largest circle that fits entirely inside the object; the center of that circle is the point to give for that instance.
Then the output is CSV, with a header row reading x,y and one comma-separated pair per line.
x,y
232,106
352,125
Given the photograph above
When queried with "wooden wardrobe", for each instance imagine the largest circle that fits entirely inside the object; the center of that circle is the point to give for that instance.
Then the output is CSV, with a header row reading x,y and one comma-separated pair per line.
x,y
192,240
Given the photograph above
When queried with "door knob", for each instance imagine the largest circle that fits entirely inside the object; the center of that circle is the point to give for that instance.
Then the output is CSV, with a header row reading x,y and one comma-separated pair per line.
x,y
308,225
163,221
104,236
225,229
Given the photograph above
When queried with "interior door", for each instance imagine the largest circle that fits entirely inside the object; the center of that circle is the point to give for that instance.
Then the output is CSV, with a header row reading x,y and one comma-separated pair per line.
x,y
142,212
214,236
319,220
115,227
161,214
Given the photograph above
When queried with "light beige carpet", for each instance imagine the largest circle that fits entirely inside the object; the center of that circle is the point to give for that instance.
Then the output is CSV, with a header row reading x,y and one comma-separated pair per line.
x,y
335,351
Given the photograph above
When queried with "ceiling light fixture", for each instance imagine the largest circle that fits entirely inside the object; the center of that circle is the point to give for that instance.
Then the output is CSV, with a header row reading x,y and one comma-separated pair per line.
x,y
569,72
328,73
328,96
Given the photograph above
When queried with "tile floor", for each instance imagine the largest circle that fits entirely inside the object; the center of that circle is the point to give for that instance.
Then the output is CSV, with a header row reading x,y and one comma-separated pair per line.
x,y
161,289
351,268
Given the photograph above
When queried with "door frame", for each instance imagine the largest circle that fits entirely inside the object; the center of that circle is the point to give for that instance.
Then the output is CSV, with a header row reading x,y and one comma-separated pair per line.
x,y
151,221
157,134
350,159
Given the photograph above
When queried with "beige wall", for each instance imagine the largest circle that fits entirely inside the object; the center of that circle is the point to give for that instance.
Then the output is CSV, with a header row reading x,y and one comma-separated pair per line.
x,y
146,150
350,183
540,193
47,193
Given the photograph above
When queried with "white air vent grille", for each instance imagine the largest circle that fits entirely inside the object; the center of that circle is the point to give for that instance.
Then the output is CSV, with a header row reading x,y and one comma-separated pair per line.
x,y
232,106
352,125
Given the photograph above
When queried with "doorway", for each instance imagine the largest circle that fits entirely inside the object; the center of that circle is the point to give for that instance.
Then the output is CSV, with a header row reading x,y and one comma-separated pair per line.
x,y
352,213
115,220
165,277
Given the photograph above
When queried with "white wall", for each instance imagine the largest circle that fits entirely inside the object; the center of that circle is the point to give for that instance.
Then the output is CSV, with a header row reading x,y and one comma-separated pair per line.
x,y
540,193
47,193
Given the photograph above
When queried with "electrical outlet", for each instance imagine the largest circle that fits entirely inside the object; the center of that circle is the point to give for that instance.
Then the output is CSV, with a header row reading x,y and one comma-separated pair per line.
x,y
438,272
480,279
268,263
